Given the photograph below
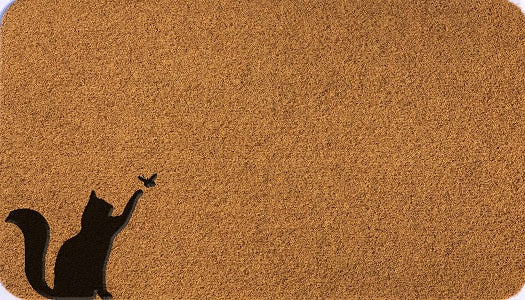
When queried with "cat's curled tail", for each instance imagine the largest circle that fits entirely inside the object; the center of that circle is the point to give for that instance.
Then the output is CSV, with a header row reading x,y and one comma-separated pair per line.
x,y
36,238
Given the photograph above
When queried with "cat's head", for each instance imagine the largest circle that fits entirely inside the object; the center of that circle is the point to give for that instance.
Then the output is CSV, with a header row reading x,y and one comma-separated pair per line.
x,y
100,204
96,209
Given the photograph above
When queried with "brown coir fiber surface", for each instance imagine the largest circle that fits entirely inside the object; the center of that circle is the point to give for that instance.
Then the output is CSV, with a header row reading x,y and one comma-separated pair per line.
x,y
304,149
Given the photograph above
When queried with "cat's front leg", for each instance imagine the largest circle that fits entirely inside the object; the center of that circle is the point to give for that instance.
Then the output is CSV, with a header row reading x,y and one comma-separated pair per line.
x,y
104,294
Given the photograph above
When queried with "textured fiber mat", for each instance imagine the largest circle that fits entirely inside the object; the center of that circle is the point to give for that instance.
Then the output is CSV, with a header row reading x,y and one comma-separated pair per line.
x,y
347,149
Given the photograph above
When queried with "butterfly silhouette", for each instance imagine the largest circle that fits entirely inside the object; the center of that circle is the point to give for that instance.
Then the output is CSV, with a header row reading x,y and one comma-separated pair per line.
x,y
150,182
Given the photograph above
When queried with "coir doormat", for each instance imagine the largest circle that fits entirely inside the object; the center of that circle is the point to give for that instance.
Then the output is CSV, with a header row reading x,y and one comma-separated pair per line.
x,y
302,149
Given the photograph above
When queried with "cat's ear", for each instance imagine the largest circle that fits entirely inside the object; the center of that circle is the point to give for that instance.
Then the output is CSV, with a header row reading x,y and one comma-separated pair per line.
x,y
92,194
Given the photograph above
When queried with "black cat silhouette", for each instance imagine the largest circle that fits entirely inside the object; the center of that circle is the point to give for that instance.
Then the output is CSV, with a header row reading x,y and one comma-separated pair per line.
x,y
80,268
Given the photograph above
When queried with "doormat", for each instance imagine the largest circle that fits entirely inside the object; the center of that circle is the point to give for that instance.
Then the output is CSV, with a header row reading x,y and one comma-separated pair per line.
x,y
302,149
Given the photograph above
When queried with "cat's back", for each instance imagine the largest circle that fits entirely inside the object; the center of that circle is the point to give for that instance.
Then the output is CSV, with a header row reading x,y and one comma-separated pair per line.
x,y
80,256
75,268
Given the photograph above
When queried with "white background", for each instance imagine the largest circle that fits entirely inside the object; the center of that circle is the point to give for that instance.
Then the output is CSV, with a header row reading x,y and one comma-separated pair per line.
x,y
5,295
